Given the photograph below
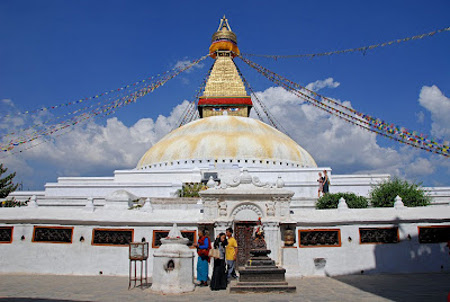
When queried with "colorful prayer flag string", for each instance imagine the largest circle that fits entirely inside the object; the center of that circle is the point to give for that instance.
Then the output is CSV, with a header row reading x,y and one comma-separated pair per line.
x,y
191,113
362,49
352,116
97,96
273,122
105,110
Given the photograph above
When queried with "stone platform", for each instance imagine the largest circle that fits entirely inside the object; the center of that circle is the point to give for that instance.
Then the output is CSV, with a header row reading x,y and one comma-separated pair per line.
x,y
351,288
261,275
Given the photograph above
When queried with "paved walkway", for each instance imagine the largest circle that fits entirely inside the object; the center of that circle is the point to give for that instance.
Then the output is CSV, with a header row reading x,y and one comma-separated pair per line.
x,y
47,288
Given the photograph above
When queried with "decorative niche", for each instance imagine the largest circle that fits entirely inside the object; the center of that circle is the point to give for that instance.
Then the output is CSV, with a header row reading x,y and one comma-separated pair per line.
x,y
112,237
52,234
378,235
6,234
434,234
319,238
160,234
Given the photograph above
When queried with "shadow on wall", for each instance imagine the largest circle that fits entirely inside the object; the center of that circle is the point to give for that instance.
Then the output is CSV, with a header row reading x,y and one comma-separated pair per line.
x,y
422,270
413,254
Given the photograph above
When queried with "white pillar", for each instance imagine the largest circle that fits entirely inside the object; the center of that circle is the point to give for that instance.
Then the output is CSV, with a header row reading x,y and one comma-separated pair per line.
x,y
272,235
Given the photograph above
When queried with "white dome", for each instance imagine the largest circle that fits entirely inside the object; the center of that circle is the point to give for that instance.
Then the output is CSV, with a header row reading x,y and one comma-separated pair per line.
x,y
231,138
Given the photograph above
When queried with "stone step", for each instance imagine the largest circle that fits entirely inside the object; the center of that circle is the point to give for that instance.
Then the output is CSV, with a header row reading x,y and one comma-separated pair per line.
x,y
262,268
260,263
259,276
260,283
262,289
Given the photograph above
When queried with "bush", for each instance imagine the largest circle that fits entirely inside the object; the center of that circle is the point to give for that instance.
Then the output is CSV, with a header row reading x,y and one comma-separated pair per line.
x,y
383,195
331,201
11,203
191,190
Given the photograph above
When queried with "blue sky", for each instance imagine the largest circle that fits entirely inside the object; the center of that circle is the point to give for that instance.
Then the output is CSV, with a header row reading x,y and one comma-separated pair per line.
x,y
53,52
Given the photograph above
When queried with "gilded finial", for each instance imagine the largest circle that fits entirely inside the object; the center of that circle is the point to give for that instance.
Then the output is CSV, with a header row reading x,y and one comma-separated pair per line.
x,y
224,24
224,39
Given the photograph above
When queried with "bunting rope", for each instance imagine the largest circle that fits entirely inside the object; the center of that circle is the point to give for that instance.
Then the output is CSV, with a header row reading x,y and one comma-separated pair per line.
x,y
362,49
152,78
354,117
191,113
272,120
31,146
104,110
37,125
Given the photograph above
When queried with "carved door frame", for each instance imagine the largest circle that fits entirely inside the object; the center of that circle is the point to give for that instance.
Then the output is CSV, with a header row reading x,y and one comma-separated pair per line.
x,y
243,231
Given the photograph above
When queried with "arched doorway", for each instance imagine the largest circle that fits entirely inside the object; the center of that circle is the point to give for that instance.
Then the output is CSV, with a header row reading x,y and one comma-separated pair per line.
x,y
245,217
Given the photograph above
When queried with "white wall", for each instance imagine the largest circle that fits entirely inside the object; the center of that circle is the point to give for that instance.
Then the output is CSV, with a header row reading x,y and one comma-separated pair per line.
x,y
352,257
78,258
82,258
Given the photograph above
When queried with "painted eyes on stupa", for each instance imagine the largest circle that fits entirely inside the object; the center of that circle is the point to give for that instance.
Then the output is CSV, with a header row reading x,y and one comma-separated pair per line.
x,y
231,109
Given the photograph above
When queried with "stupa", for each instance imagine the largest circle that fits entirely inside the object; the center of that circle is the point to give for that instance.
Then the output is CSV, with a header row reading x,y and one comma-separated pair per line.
x,y
82,225
225,132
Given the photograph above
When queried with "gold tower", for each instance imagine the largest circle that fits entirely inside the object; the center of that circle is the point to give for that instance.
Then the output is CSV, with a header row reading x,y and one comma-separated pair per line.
x,y
224,91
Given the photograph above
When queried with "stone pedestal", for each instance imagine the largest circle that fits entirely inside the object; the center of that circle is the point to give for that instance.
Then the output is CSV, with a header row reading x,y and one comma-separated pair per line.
x,y
173,265
260,274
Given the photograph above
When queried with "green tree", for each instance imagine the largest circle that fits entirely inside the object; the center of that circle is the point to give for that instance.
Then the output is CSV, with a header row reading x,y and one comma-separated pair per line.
x,y
331,201
191,190
6,184
383,195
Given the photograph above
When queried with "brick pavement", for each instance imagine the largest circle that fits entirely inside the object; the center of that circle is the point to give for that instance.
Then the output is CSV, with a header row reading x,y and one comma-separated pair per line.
x,y
47,288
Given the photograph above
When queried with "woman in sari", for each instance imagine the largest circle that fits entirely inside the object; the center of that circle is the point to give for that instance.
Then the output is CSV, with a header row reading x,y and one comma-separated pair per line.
x,y
203,246
219,277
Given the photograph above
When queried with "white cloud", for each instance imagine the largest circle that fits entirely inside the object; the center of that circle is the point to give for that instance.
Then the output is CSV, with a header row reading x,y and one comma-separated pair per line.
x,y
420,167
420,117
90,148
184,63
94,149
320,84
7,102
340,145
330,140
7,107
438,104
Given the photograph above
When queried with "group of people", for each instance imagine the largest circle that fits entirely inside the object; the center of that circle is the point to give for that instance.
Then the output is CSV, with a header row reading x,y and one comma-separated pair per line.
x,y
224,264
324,184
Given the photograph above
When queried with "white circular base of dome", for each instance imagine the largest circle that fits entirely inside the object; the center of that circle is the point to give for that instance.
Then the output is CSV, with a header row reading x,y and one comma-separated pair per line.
x,y
226,140
224,164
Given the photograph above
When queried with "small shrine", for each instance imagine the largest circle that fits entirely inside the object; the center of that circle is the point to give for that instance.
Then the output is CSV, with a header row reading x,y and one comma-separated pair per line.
x,y
173,265
260,273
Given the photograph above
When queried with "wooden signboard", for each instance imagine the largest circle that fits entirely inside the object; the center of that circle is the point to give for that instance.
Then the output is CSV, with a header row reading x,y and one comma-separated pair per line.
x,y
138,251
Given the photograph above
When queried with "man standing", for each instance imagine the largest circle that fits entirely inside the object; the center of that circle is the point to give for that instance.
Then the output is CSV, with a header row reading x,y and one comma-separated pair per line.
x,y
325,183
230,254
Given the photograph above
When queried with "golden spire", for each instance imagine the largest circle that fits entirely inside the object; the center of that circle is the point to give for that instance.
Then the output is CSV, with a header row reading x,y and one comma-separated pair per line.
x,y
224,80
224,90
